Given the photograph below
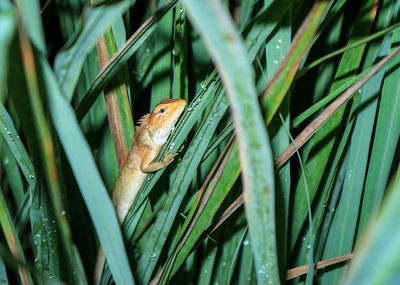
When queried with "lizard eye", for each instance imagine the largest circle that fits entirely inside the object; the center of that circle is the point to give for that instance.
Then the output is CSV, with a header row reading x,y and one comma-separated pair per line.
x,y
161,110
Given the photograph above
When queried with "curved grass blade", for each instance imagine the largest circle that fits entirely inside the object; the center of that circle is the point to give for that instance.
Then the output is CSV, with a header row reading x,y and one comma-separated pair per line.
x,y
69,62
92,188
223,43
81,160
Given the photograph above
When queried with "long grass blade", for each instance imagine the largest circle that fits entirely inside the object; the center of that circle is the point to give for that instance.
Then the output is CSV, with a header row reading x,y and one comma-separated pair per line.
x,y
223,43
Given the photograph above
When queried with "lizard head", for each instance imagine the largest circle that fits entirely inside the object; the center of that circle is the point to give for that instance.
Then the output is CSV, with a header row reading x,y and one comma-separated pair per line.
x,y
161,122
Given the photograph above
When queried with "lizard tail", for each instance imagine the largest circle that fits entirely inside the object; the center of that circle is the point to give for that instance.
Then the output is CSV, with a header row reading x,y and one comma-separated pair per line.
x,y
100,261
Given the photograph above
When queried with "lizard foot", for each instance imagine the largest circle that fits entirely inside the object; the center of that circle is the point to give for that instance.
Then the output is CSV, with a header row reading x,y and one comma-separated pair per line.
x,y
169,157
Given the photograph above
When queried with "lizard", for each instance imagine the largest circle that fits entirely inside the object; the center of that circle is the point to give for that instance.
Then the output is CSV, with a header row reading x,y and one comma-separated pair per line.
x,y
150,136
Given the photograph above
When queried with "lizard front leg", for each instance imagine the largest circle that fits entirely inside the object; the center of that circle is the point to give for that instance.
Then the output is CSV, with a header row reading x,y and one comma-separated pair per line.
x,y
149,165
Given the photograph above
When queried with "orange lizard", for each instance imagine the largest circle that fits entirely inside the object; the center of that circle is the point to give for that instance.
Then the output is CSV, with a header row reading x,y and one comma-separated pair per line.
x,y
151,135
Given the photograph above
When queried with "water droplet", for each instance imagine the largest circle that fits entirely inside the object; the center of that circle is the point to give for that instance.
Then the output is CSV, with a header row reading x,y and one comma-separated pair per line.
x,y
224,263
63,213
309,246
181,10
31,176
275,61
277,46
246,242
262,270
279,41
203,85
303,239
189,109
174,51
153,255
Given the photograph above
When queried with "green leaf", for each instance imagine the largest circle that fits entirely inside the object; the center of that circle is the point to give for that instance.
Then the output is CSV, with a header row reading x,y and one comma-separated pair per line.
x,y
223,43
80,158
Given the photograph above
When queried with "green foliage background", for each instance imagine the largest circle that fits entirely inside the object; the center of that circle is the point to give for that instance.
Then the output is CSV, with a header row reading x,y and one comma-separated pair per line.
x,y
255,74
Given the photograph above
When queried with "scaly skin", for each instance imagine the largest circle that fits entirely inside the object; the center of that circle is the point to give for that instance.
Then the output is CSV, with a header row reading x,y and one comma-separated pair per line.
x,y
151,135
